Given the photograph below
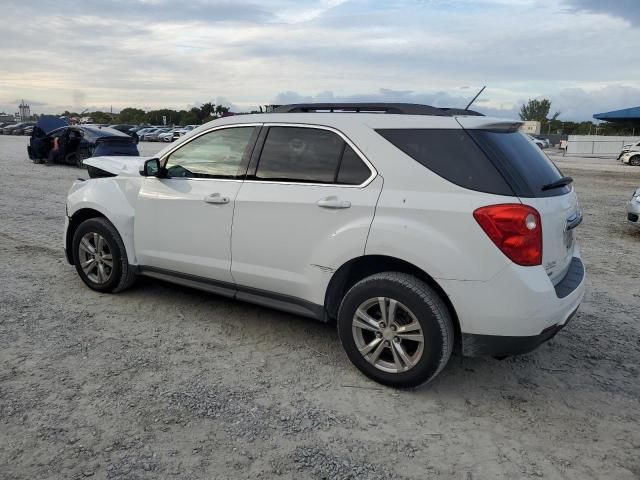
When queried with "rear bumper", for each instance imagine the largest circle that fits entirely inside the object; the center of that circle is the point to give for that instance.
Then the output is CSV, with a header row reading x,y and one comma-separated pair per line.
x,y
501,346
515,311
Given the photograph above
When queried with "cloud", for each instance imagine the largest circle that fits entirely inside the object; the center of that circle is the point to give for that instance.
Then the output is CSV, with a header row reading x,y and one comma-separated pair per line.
x,y
626,9
156,53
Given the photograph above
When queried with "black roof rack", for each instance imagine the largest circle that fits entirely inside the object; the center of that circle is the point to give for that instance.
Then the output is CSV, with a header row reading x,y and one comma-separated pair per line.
x,y
395,108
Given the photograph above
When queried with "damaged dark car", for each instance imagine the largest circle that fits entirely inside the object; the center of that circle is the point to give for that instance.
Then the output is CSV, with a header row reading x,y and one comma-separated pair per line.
x,y
55,141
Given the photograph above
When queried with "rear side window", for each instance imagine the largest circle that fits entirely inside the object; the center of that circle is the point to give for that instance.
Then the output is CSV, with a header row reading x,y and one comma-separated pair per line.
x,y
309,155
522,162
453,155
352,171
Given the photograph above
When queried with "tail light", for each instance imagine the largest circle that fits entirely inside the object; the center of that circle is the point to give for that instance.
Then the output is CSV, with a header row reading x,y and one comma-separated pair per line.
x,y
515,229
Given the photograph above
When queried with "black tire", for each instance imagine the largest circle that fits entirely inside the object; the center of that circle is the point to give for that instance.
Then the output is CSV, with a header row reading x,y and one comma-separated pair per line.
x,y
122,275
635,161
428,309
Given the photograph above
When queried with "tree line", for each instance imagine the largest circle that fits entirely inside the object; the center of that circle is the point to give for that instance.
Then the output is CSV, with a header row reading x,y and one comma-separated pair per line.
x,y
538,110
534,109
136,116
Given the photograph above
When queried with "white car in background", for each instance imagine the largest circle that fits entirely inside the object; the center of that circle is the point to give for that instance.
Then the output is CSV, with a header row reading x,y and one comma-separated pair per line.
x,y
633,208
545,141
537,141
184,130
414,228
169,136
631,157
631,147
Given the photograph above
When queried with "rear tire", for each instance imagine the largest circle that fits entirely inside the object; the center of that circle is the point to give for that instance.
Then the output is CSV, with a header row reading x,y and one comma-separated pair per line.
x,y
417,339
100,257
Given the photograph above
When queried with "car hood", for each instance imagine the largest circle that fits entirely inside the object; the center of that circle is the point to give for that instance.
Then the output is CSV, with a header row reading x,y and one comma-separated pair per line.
x,y
121,166
48,123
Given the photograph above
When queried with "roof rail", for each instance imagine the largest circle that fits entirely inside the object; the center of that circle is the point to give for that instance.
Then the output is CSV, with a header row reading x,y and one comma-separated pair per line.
x,y
393,108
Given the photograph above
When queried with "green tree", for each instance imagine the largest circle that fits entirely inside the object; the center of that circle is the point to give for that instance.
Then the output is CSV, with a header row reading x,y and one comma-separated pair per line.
x,y
188,118
131,115
207,110
536,110
155,116
221,110
100,117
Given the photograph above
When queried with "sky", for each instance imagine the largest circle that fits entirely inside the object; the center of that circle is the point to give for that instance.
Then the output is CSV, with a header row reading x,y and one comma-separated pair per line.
x,y
102,54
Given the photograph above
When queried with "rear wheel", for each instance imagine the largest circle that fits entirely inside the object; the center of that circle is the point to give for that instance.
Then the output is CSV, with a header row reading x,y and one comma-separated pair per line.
x,y
100,257
396,329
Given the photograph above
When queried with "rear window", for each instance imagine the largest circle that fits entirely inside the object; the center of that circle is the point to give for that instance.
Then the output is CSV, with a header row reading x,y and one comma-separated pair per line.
x,y
522,162
309,155
502,163
452,154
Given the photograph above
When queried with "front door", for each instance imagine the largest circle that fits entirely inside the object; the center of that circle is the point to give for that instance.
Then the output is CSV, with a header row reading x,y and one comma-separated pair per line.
x,y
183,220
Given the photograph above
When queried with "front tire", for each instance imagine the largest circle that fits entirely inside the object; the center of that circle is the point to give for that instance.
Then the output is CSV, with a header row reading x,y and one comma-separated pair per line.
x,y
100,257
396,329
635,161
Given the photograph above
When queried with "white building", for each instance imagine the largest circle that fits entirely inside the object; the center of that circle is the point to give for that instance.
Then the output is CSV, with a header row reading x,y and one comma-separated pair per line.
x,y
532,127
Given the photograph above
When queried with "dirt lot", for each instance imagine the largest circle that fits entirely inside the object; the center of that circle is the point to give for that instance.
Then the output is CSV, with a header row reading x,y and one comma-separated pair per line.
x,y
166,382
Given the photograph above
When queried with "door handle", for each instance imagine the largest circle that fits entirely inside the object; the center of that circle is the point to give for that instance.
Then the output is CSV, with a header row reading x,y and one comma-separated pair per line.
x,y
333,202
216,199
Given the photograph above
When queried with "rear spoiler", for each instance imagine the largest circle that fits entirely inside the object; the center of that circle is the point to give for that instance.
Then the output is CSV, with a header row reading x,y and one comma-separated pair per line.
x,y
490,124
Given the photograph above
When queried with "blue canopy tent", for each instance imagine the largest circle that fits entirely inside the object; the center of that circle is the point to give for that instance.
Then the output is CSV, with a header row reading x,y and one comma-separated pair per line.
x,y
626,115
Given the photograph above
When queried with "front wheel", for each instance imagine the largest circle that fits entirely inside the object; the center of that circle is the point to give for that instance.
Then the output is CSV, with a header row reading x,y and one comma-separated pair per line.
x,y
635,161
100,257
396,329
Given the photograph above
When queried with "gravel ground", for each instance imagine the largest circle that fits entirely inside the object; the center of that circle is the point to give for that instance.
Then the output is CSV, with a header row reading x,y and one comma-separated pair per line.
x,y
166,382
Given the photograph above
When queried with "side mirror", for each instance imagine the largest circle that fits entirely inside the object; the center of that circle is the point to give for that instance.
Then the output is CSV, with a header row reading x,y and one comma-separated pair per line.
x,y
151,168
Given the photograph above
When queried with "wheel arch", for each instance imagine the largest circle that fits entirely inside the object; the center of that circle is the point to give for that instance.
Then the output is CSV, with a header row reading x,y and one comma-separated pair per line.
x,y
358,268
74,222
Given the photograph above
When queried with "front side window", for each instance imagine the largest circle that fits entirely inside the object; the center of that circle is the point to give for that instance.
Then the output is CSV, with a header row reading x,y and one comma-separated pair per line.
x,y
309,155
216,154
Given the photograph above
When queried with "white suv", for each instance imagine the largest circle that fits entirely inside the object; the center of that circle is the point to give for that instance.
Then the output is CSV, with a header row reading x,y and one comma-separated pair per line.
x,y
415,228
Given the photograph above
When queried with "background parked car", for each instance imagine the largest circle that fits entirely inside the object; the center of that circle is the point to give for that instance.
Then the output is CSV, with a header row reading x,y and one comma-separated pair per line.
x,y
141,131
147,134
632,157
635,147
545,141
16,128
169,136
75,143
539,143
633,208
28,130
22,127
127,129
153,136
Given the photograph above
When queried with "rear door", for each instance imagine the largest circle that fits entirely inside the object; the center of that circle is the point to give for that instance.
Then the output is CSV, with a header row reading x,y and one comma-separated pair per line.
x,y
309,198
532,175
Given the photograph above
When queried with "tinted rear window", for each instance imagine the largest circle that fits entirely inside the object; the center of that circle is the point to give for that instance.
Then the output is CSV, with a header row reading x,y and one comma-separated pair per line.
x,y
453,155
352,171
521,161
309,155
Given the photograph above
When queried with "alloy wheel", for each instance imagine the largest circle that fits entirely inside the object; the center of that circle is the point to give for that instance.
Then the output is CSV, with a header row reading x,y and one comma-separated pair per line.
x,y
388,335
95,257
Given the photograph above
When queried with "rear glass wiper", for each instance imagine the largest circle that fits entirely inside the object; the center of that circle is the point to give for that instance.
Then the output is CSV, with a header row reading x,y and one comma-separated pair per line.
x,y
561,182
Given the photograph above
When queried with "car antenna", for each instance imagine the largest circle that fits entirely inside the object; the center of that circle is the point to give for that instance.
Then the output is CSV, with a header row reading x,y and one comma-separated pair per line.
x,y
474,98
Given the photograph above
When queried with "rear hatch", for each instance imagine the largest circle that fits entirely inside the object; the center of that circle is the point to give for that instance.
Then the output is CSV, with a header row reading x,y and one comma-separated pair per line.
x,y
537,182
